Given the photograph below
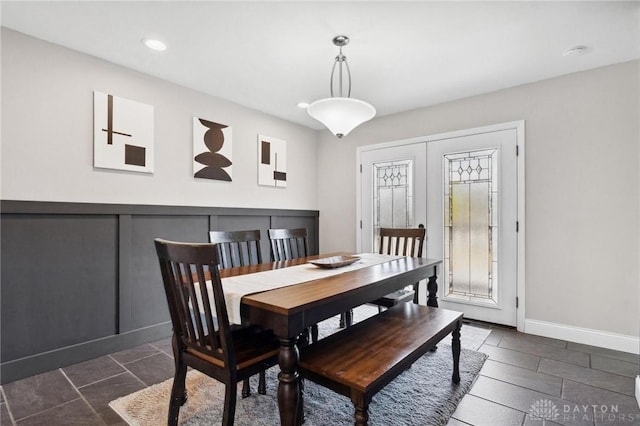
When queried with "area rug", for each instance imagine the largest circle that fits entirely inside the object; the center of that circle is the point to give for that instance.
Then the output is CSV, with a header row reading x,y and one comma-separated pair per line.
x,y
422,395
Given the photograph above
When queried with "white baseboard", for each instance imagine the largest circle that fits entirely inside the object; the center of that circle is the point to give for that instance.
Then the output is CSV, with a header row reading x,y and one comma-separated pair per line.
x,y
604,339
638,390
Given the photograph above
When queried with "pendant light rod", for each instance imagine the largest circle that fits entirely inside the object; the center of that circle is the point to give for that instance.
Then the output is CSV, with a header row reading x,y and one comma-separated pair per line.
x,y
340,60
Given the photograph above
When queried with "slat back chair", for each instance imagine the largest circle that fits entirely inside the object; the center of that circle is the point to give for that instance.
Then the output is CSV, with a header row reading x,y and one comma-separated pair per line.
x,y
401,242
288,244
207,342
237,248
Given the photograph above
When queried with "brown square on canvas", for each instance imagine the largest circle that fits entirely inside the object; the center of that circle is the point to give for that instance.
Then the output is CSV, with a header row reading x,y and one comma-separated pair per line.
x,y
266,153
134,155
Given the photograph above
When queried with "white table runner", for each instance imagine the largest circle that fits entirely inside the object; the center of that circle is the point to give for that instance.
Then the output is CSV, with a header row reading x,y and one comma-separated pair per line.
x,y
237,287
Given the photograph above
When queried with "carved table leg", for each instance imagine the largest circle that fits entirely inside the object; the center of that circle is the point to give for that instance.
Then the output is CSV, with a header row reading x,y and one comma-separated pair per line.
x,y
289,395
361,405
455,349
361,416
432,289
432,294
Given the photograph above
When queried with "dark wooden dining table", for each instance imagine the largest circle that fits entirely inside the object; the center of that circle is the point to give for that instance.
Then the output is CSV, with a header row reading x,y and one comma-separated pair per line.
x,y
289,310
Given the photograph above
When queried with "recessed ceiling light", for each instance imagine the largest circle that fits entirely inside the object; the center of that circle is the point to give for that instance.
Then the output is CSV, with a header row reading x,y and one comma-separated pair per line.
x,y
303,104
576,51
154,44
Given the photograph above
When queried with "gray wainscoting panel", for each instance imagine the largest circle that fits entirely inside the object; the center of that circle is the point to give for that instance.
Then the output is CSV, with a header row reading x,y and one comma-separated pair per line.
x,y
146,291
82,280
59,281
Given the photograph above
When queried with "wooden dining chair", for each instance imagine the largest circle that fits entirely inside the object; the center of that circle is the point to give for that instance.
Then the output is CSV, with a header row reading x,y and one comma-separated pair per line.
x,y
207,342
400,242
237,248
288,244
240,248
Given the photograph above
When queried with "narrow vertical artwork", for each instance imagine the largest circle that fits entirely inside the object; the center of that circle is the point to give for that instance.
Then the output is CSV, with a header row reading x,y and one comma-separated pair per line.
x,y
212,150
122,134
272,161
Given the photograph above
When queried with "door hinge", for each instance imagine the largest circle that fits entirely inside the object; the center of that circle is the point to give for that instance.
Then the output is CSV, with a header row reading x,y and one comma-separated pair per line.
x,y
517,226
360,224
517,150
360,168
517,302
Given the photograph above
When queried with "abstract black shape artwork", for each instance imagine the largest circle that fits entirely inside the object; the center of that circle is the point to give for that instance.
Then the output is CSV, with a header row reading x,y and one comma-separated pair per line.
x,y
215,138
122,134
272,161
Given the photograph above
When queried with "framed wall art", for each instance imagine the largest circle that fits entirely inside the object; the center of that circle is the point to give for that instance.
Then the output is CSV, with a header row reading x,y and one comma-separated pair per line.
x,y
212,149
272,161
122,134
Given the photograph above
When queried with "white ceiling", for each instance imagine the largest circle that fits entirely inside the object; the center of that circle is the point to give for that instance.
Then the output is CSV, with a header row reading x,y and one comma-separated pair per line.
x,y
403,55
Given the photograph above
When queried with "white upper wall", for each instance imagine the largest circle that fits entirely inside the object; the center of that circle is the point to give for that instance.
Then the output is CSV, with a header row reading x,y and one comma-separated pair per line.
x,y
47,136
582,188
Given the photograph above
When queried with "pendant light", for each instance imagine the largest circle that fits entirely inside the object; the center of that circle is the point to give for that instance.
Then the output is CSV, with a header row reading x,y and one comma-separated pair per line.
x,y
341,114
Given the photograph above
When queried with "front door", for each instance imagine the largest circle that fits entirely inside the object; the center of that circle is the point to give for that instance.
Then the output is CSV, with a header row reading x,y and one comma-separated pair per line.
x,y
472,199
464,186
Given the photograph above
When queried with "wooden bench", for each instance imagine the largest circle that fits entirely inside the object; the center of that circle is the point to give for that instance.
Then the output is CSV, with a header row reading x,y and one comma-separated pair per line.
x,y
360,360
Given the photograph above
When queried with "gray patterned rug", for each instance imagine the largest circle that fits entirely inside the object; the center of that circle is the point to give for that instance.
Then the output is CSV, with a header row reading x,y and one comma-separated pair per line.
x,y
422,395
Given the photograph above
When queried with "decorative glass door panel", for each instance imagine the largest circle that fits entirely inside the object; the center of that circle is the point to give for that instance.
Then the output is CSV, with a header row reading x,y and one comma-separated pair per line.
x,y
392,196
392,190
471,226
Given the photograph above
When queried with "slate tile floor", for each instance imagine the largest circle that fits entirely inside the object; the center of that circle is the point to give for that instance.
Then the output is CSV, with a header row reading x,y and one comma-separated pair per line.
x,y
80,394
574,384
586,385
